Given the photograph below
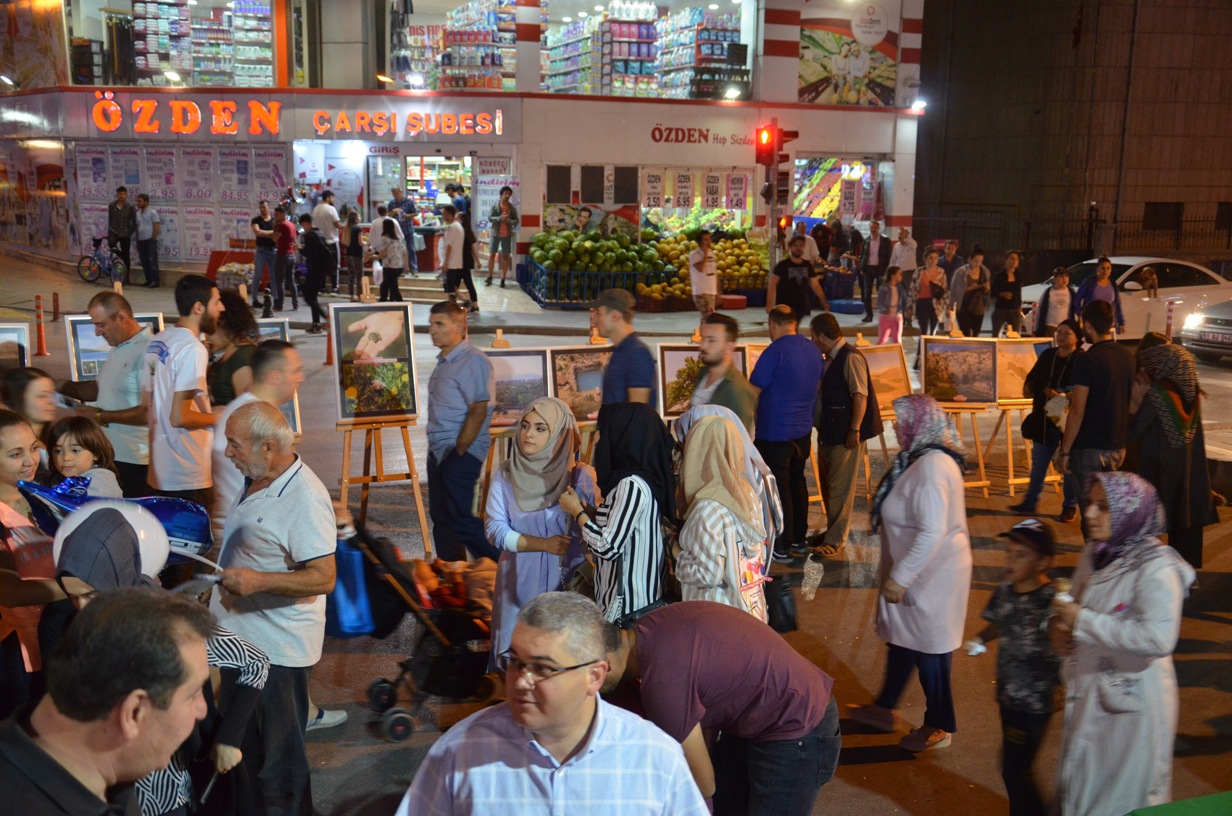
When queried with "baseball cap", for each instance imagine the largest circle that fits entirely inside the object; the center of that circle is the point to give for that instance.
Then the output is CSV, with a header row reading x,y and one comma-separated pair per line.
x,y
620,300
1035,534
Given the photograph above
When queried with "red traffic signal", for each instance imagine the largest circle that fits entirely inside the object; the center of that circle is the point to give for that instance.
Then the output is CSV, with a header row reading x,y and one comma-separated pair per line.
x,y
766,145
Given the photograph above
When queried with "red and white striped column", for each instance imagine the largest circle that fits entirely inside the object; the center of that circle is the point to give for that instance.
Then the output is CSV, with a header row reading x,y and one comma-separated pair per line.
x,y
899,185
528,21
776,76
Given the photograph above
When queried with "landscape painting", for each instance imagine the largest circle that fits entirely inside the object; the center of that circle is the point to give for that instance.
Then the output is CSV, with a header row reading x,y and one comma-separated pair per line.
x,y
15,345
88,351
679,367
960,369
577,378
1015,359
887,369
521,377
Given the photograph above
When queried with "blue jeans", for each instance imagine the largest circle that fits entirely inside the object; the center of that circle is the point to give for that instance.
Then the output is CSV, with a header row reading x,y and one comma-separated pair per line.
x,y
451,496
934,679
147,253
776,777
264,262
1041,455
284,278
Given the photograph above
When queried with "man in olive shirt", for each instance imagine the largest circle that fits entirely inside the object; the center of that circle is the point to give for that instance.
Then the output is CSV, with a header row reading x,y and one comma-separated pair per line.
x,y
720,382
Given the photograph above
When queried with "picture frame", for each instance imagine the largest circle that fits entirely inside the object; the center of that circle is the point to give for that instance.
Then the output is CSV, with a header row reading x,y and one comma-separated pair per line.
x,y
521,377
87,351
679,366
960,370
279,328
1015,359
14,345
577,378
752,352
374,361
887,371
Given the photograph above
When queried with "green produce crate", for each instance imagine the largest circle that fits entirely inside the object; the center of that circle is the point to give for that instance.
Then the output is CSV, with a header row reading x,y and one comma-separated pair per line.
x,y
565,289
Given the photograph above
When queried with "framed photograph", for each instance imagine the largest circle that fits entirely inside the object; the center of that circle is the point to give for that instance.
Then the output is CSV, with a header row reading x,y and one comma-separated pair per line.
x,y
1015,358
752,351
15,345
279,328
960,369
521,377
374,361
577,378
87,351
887,370
679,367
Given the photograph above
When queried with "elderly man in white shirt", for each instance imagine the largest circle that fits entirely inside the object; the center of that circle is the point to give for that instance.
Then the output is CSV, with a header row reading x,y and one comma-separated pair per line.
x,y
904,254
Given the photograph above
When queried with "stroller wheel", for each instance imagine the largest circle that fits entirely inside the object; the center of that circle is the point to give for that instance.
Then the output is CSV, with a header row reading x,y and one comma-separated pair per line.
x,y
486,687
382,695
397,725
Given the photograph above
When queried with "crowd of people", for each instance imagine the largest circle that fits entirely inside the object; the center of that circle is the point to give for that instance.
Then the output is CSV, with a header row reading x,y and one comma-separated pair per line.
x,y
633,597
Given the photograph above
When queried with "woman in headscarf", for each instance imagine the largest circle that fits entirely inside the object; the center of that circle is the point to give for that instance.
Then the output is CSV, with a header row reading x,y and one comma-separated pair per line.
x,y
1171,451
540,543
633,462
920,508
1118,634
722,543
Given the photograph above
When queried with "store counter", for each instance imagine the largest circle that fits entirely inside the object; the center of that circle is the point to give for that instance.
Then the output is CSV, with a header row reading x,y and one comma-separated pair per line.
x,y
427,256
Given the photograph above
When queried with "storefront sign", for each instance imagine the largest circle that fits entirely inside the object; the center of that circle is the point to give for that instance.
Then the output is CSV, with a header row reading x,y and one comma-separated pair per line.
x,y
737,191
184,117
493,165
684,191
653,186
712,197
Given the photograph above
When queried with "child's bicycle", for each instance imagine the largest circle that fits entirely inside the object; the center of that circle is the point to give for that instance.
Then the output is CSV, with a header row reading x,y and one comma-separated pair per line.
x,y
102,261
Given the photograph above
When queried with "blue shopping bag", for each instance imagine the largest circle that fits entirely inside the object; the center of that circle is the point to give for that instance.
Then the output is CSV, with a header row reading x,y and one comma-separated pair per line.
x,y
347,610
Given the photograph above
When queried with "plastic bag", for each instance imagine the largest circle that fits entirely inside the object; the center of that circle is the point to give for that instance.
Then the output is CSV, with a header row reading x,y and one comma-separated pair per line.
x,y
378,273
348,612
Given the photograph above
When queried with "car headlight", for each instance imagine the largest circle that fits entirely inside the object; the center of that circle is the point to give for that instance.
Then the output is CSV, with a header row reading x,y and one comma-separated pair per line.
x,y
1193,321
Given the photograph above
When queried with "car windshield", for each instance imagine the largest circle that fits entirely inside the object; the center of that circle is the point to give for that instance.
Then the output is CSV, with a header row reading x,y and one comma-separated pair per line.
x,y
1080,272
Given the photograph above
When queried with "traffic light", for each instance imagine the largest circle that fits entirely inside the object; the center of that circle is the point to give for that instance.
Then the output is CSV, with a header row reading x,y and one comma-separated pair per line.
x,y
782,190
766,145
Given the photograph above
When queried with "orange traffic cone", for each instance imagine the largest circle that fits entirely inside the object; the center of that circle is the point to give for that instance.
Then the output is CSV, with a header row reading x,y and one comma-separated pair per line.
x,y
329,347
41,349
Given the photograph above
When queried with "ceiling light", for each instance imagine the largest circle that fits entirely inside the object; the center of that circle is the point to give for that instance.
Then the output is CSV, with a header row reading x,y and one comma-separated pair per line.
x,y
192,2
566,19
918,106
581,14
172,75
4,78
732,92
713,7
383,78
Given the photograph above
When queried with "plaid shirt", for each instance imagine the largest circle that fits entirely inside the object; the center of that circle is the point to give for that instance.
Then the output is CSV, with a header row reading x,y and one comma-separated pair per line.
x,y
489,764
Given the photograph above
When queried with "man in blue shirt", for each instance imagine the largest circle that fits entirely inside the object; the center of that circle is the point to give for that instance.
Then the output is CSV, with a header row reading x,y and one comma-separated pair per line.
x,y
459,411
788,374
630,373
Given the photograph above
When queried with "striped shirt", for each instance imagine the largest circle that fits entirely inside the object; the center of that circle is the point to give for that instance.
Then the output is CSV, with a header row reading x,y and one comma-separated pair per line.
x,y
627,541
489,764
721,558
166,789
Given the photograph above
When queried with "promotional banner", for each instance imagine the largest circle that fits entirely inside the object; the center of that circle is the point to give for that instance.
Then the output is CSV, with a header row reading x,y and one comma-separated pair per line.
x,y
169,232
233,224
683,198
198,232
737,191
849,53
93,225
93,175
126,170
269,174
486,194
198,174
160,174
235,174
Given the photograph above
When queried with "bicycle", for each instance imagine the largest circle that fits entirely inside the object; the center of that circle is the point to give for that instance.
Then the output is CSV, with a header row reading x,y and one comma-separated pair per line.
x,y
102,261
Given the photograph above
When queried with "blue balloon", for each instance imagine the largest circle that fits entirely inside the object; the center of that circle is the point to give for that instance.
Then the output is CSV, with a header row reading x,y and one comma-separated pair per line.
x,y
187,523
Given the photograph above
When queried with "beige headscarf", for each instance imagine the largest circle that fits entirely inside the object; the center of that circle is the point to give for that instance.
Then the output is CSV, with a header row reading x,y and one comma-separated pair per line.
x,y
539,480
713,468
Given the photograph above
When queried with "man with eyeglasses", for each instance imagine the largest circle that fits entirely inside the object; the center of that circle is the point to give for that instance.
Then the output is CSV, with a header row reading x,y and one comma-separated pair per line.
x,y
554,745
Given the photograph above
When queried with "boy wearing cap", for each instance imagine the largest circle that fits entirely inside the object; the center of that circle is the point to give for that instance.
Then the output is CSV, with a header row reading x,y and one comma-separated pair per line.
x,y
1027,667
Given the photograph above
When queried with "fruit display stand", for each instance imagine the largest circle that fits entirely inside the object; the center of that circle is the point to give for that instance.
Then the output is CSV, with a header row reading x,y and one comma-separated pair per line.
x,y
568,289
839,283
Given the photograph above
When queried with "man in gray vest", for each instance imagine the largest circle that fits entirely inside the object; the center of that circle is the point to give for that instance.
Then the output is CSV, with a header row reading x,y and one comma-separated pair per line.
x,y
846,415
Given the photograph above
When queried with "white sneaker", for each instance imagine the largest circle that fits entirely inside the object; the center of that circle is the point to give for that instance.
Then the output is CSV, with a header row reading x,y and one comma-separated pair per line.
x,y
327,719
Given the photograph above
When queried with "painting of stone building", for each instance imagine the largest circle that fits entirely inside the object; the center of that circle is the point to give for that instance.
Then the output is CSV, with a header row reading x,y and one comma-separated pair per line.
x,y
962,370
577,378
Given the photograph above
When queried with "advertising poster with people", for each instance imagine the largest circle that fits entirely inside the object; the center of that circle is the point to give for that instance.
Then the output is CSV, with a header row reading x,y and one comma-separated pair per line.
x,y
33,204
487,196
849,53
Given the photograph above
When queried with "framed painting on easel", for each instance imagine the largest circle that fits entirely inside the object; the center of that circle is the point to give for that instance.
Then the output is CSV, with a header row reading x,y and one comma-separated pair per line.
x,y
679,366
374,361
521,376
887,369
1015,359
960,370
577,378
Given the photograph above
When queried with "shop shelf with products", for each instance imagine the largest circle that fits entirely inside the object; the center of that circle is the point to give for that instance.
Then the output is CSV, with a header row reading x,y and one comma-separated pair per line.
x,y
693,44
414,51
162,41
498,16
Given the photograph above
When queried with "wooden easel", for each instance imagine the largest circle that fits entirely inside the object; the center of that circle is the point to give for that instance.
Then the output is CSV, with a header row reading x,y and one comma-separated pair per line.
x,y
957,411
1012,481
372,441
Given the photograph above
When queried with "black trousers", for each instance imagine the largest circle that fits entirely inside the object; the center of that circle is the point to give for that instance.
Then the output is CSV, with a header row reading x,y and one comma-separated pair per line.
x,y
1022,732
870,279
313,284
123,245
134,479
786,461
970,324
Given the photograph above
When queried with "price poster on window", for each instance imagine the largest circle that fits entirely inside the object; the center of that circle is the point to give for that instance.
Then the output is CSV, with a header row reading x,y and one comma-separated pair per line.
x,y
199,232
269,174
235,174
198,174
160,173
93,175
654,190
737,191
126,170
93,224
712,198
168,232
233,223
684,191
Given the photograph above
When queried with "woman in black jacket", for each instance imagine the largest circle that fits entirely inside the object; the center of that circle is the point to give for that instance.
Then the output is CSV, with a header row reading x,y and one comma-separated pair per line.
x,y
1049,378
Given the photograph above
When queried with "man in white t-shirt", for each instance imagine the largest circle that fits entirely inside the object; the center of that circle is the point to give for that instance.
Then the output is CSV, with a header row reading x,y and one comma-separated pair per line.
x,y
277,565
325,219
811,253
904,253
703,275
173,383
451,249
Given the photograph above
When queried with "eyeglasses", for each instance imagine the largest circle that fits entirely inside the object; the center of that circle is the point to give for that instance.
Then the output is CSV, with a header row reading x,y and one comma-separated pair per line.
x,y
535,672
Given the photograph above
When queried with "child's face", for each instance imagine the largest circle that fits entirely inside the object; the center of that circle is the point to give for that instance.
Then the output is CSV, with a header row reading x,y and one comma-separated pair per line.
x,y
1023,563
70,457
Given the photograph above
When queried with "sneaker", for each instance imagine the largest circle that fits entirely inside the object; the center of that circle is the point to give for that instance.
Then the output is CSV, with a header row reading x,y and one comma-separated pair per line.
x,y
781,555
924,739
315,328
1022,509
873,716
800,548
326,719
1069,514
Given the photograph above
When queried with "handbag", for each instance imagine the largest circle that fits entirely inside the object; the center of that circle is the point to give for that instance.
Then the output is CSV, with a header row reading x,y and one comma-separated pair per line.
x,y
348,612
1033,427
780,605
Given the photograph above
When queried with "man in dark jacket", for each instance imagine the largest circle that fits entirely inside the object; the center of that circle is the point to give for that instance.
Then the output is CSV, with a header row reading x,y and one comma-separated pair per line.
x,y
720,382
874,257
847,415
121,226
321,260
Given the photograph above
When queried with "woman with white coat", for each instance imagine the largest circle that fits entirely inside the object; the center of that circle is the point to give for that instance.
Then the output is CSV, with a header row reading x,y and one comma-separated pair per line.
x,y
925,574
1118,635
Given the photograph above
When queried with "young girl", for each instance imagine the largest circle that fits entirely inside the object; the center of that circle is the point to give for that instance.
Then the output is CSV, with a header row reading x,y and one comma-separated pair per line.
x,y
891,303
80,448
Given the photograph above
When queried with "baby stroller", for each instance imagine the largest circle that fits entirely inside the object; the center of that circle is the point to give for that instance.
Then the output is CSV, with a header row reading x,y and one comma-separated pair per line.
x,y
450,656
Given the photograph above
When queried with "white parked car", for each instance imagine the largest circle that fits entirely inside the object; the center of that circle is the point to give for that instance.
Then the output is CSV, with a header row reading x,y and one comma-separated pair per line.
x,y
1208,333
1191,286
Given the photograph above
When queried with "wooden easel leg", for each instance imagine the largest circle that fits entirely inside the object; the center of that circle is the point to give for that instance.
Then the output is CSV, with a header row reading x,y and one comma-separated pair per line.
x,y
868,472
363,488
979,453
345,485
415,488
820,497
1009,448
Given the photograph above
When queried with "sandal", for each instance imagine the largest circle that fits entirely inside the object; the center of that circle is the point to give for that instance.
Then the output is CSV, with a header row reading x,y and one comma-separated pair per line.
x,y
830,550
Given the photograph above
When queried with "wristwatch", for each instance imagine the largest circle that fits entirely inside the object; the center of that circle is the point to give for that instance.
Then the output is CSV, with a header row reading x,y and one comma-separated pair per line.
x,y
98,417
